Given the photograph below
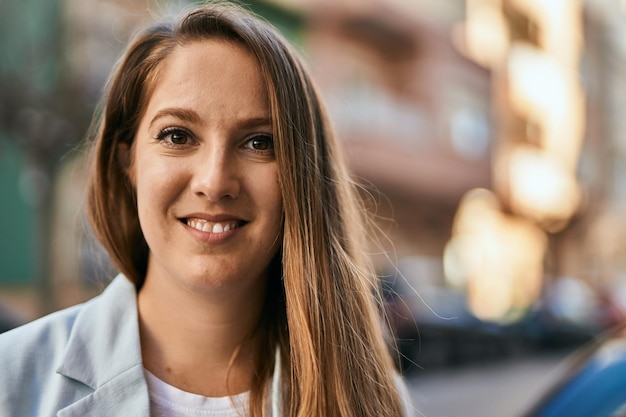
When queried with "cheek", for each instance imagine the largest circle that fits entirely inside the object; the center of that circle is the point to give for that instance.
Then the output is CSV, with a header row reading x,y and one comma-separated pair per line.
x,y
155,190
265,191
156,185
156,195
272,194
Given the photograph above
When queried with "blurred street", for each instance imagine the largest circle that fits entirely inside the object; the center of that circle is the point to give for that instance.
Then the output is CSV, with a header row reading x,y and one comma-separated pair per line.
x,y
502,388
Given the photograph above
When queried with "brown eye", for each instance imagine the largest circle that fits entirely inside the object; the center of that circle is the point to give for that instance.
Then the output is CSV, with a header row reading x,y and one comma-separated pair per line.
x,y
263,143
174,136
178,138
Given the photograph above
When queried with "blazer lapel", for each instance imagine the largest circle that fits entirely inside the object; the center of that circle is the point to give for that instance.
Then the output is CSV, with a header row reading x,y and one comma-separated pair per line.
x,y
104,353
125,396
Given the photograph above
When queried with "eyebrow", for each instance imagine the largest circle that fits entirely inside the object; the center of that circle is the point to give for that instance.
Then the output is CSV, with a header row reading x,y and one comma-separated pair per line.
x,y
191,116
255,122
177,112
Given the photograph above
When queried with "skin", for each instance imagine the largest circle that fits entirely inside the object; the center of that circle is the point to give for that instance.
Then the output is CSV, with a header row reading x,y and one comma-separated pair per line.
x,y
203,154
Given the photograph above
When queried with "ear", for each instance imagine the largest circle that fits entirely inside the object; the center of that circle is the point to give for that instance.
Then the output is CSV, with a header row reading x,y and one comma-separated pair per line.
x,y
125,160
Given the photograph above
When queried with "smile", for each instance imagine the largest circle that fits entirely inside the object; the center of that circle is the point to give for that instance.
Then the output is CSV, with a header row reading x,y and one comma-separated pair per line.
x,y
212,227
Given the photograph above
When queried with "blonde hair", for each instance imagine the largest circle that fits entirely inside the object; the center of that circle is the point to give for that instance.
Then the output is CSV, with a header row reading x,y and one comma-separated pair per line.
x,y
320,307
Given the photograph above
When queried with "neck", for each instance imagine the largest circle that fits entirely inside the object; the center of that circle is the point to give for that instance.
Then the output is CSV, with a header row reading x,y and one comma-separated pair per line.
x,y
198,343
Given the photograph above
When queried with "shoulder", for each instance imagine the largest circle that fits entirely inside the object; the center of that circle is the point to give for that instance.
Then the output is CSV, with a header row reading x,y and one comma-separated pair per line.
x,y
54,361
29,357
40,340
34,344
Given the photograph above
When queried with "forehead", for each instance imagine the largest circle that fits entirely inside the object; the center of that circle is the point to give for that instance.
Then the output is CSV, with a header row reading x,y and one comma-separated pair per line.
x,y
217,73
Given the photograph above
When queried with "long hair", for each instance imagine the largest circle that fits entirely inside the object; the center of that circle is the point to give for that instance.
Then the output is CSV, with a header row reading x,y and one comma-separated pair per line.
x,y
320,306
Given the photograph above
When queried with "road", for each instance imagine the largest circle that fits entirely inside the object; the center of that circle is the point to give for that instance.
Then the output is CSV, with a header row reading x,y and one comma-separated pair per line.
x,y
502,388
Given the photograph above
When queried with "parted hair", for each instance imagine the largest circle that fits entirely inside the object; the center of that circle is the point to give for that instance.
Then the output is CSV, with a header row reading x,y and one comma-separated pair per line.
x,y
321,308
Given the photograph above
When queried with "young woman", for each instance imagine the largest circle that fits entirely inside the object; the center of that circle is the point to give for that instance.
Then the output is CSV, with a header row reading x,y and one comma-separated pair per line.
x,y
219,193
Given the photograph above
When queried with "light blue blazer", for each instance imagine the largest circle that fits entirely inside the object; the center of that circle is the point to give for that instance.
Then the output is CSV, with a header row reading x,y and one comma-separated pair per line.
x,y
85,361
82,361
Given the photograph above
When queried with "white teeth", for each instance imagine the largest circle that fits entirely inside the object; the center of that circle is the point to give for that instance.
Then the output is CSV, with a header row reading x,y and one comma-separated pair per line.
x,y
211,227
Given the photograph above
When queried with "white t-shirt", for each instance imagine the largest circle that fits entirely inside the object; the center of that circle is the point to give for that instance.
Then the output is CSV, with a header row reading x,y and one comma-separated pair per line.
x,y
169,401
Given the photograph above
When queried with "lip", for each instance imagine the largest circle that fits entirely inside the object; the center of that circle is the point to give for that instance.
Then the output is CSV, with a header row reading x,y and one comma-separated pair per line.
x,y
211,237
219,217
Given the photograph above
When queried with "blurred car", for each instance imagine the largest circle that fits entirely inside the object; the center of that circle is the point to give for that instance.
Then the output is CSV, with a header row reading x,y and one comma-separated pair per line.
x,y
593,383
433,326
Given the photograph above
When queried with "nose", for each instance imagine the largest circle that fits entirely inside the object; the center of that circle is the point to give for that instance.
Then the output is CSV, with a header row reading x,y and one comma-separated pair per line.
x,y
215,176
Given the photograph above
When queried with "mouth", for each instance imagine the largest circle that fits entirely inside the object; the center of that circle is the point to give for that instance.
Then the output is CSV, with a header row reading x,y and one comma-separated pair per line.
x,y
207,226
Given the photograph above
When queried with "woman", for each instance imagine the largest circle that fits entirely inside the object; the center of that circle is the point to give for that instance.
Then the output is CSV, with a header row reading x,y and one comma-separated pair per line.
x,y
219,194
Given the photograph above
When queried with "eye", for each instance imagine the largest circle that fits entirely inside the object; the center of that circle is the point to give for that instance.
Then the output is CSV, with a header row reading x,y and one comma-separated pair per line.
x,y
260,143
174,136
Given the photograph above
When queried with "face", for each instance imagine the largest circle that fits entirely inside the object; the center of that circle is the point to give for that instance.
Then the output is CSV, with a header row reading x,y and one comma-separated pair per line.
x,y
204,170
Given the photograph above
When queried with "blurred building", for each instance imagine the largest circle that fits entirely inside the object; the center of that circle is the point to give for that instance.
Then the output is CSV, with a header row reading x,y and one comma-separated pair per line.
x,y
502,175
556,69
